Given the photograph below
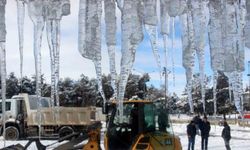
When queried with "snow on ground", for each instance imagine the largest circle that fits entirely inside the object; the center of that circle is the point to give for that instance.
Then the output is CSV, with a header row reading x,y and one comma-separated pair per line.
x,y
240,138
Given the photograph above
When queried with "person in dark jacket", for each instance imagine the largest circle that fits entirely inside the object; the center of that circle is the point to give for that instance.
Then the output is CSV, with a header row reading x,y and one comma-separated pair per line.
x,y
191,133
226,135
205,129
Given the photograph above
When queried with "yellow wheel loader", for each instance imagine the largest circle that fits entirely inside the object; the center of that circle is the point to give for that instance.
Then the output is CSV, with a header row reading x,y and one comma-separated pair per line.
x,y
144,125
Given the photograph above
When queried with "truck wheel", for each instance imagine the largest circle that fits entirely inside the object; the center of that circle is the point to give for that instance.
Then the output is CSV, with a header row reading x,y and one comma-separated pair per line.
x,y
64,131
11,133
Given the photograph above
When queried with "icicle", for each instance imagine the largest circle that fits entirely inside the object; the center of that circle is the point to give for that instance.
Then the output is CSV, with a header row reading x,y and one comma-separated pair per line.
x,y
247,27
165,31
215,91
110,20
172,51
3,61
150,21
200,20
166,62
36,13
89,44
120,4
176,7
152,31
188,53
20,21
237,90
54,13
132,35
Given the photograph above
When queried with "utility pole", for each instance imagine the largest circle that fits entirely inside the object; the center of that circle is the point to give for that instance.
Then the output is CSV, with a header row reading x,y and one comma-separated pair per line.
x,y
165,72
248,92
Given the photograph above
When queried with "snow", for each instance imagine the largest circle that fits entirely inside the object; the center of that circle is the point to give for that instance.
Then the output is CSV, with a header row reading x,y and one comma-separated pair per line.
x,y
240,137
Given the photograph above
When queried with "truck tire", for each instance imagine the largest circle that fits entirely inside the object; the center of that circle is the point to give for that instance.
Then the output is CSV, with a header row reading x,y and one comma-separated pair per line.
x,y
64,131
11,133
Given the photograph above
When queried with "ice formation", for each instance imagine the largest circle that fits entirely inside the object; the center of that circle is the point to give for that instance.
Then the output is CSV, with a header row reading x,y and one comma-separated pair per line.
x,y
20,21
227,21
172,50
54,13
176,7
199,12
165,31
150,21
36,9
132,35
89,37
110,21
3,59
247,27
188,54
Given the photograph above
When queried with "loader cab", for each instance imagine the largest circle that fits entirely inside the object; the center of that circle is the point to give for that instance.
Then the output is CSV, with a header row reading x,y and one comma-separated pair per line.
x,y
142,121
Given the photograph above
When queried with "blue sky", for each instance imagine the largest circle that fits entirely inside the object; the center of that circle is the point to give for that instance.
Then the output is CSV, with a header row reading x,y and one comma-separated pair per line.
x,y
73,64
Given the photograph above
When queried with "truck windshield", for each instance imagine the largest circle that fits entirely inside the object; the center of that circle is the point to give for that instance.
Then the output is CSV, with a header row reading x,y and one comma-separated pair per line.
x,y
33,102
7,106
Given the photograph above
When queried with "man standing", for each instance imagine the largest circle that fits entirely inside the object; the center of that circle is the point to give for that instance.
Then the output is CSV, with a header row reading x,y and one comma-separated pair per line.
x,y
205,129
226,135
191,132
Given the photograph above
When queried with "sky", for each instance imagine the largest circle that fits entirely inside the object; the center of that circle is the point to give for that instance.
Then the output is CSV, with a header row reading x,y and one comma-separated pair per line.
x,y
72,64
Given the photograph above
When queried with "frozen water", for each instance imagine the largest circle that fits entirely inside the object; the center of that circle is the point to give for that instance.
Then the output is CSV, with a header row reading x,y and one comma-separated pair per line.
x,y
188,53
247,27
3,59
20,21
152,31
199,12
227,42
132,35
164,18
110,20
89,44
54,13
150,21
165,31
172,50
36,13
215,77
176,7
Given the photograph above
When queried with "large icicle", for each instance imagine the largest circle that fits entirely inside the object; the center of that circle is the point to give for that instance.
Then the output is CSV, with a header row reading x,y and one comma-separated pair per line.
x,y
215,77
247,27
36,12
110,20
176,7
188,53
199,11
172,50
165,31
20,21
55,11
132,35
89,37
150,21
3,61
226,40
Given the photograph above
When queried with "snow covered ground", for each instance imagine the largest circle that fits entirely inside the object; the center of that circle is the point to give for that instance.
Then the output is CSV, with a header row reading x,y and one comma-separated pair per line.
x,y
240,138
